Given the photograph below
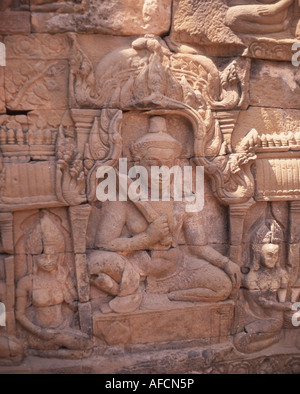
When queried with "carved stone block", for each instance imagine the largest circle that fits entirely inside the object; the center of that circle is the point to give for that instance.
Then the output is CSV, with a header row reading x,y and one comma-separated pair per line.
x,y
38,46
149,186
2,92
225,28
168,325
83,281
36,85
15,22
279,77
109,17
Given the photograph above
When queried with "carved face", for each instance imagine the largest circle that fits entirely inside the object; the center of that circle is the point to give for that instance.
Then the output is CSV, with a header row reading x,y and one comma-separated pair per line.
x,y
270,255
157,157
48,262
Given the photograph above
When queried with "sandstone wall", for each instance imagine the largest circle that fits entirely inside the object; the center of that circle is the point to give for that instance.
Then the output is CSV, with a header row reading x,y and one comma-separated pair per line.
x,y
142,286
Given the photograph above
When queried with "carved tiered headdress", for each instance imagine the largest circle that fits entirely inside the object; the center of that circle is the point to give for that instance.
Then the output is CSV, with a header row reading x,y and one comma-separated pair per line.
x,y
156,138
269,232
43,235
52,236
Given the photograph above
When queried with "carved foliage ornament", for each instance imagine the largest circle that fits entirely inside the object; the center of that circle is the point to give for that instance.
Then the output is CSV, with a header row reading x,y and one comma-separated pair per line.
x,y
148,76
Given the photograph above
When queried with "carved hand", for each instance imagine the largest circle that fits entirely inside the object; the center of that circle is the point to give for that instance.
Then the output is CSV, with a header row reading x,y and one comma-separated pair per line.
x,y
158,230
234,273
263,11
47,334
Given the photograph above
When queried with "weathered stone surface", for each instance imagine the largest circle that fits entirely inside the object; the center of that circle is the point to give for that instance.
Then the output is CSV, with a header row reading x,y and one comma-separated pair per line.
x,y
83,282
107,266
15,23
224,27
36,84
109,17
165,325
2,92
279,77
270,123
38,46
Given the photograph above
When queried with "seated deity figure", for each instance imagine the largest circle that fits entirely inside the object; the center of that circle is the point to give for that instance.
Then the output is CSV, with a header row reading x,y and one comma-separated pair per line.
x,y
269,17
41,296
261,299
172,252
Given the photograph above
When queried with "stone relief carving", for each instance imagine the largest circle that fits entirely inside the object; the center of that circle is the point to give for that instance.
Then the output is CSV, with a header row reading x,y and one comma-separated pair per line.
x,y
235,24
265,291
46,290
11,349
80,278
166,81
69,171
198,274
269,17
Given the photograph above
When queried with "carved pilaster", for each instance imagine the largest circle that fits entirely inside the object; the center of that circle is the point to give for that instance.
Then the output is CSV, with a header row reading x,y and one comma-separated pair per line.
x,y
294,243
6,228
84,119
10,295
79,217
237,215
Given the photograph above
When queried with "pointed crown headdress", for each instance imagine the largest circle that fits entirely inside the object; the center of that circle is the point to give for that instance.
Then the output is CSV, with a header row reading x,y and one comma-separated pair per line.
x,y
157,137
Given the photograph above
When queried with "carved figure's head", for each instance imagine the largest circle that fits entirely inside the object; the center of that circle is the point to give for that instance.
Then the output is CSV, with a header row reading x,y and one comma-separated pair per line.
x,y
270,255
266,245
53,245
157,148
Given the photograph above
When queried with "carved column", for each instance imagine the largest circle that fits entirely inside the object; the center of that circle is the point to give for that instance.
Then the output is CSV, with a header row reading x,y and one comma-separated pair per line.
x,y
9,264
84,119
6,230
237,215
294,247
79,217
227,121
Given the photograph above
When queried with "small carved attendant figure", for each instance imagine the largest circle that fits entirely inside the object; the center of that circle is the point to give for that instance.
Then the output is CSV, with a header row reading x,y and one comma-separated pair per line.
x,y
47,291
185,270
259,19
261,297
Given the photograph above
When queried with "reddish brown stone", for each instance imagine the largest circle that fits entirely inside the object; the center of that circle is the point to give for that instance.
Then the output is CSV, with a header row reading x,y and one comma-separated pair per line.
x,y
15,23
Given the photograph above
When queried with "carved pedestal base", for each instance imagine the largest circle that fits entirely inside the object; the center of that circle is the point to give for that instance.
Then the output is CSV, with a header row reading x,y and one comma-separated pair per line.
x,y
176,358
210,323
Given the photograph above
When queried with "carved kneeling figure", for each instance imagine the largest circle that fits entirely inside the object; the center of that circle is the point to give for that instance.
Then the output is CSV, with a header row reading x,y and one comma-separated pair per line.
x,y
262,302
48,290
194,272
